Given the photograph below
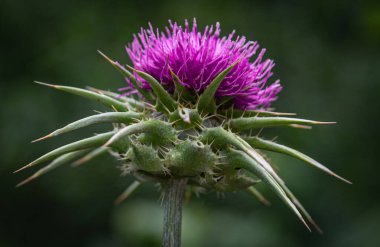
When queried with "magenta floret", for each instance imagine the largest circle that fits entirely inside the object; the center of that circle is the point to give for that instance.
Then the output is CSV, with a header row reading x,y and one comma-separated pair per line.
x,y
198,57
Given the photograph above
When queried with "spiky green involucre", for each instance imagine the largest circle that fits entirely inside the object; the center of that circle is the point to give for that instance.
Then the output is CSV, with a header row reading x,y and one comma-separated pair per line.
x,y
181,134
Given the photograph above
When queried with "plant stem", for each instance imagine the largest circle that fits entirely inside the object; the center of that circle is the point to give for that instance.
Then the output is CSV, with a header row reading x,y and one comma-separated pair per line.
x,y
173,192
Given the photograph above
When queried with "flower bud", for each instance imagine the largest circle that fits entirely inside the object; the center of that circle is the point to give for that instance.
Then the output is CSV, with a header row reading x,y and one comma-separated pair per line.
x,y
189,158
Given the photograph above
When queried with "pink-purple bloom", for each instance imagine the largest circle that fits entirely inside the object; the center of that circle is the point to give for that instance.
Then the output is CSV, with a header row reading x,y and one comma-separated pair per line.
x,y
198,57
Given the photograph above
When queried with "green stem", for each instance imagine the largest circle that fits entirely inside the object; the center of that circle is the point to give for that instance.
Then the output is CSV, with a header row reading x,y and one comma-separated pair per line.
x,y
173,192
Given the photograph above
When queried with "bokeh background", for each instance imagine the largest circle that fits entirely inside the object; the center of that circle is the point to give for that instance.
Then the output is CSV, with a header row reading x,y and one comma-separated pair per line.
x,y
328,59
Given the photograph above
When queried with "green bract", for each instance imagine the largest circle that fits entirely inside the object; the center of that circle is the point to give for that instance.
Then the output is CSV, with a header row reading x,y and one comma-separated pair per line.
x,y
181,134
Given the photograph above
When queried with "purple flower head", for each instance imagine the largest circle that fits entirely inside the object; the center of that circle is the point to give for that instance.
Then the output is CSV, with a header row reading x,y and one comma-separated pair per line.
x,y
198,57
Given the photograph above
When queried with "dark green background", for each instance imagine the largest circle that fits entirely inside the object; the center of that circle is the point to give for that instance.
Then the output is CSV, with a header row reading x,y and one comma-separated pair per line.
x,y
327,55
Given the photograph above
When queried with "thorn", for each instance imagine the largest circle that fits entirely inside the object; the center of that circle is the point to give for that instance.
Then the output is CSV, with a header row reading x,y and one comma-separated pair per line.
x,y
24,167
316,122
175,121
259,132
223,122
131,68
319,230
172,72
119,199
107,58
46,84
250,132
165,108
131,188
276,113
96,111
259,196
210,116
149,104
108,143
26,180
94,89
113,108
274,139
341,178
307,226
212,142
301,126
81,161
136,119
199,126
43,138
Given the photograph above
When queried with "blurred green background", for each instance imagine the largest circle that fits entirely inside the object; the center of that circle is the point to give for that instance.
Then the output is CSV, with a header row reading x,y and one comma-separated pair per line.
x,y
328,59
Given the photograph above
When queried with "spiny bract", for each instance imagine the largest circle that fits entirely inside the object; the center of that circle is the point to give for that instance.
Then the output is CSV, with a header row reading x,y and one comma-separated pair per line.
x,y
182,125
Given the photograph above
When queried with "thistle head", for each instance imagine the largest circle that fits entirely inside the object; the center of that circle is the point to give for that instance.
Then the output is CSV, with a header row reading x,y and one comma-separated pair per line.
x,y
199,115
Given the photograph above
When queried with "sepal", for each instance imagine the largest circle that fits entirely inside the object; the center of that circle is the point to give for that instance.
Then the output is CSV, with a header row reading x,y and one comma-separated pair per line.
x,y
108,117
190,158
138,105
181,93
103,99
165,102
154,132
65,158
91,142
259,143
130,77
146,158
241,124
206,102
240,159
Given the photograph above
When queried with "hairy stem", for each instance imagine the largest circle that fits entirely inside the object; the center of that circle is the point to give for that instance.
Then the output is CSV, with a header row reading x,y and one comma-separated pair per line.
x,y
173,192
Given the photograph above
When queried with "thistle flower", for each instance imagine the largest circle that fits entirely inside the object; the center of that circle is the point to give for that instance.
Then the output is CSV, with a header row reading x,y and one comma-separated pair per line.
x,y
195,123
198,57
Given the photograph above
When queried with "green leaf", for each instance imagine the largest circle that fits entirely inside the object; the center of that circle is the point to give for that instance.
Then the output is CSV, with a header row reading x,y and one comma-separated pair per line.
x,y
133,102
158,131
241,159
240,124
90,142
131,188
237,113
252,190
206,101
108,117
180,91
259,143
163,97
129,75
256,156
126,131
105,100
65,158
221,138
301,208
179,88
